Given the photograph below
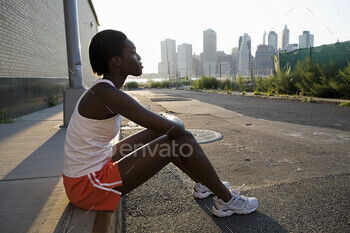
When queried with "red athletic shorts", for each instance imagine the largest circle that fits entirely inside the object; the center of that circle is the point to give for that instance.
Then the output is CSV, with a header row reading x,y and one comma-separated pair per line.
x,y
94,191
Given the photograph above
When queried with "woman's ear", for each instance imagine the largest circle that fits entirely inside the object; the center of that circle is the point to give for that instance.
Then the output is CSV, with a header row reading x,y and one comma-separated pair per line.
x,y
116,61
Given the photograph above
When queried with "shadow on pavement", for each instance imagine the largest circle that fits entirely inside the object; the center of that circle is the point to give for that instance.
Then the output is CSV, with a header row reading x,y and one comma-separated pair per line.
x,y
254,222
26,189
8,130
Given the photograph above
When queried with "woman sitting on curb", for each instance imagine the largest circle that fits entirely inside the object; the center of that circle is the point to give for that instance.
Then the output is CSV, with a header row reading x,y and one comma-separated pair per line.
x,y
96,174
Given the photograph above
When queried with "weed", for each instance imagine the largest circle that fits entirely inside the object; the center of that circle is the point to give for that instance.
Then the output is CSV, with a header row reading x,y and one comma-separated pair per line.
x,y
269,93
53,100
346,104
4,118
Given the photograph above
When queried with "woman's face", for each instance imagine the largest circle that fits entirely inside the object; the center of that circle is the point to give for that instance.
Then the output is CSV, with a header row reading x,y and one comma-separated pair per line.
x,y
130,60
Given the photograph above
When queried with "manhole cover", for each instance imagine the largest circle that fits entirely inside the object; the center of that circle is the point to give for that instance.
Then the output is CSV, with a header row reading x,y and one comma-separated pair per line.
x,y
205,136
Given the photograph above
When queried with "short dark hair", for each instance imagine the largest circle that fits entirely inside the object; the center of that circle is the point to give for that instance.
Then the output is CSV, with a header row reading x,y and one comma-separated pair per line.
x,y
103,46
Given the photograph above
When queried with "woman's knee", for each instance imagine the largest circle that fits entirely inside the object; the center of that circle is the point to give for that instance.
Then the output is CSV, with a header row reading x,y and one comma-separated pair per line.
x,y
187,137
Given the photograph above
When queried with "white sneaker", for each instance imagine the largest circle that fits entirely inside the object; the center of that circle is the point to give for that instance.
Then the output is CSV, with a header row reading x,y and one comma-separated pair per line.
x,y
201,191
237,205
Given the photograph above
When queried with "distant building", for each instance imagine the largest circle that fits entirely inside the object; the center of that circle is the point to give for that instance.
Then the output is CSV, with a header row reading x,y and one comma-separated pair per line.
x,y
209,52
197,70
224,64
263,60
272,40
306,40
264,38
201,71
244,55
168,65
235,53
284,38
184,60
291,47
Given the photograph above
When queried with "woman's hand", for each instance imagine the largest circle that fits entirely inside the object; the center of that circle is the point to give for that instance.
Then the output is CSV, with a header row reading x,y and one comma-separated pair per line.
x,y
172,118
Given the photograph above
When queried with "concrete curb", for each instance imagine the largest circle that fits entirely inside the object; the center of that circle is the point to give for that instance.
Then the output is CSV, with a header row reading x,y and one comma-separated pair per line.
x,y
107,221
75,219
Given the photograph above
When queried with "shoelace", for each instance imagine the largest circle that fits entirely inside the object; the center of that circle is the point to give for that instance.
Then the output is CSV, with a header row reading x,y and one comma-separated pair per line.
x,y
237,193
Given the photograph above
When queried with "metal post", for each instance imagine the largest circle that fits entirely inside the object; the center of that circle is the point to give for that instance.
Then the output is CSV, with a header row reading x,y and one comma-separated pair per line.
x,y
75,89
73,45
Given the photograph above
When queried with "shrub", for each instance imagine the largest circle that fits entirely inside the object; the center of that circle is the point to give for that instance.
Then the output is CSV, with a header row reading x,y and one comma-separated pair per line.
x,y
240,82
226,84
261,85
312,79
132,85
186,81
341,82
285,83
162,84
165,84
206,83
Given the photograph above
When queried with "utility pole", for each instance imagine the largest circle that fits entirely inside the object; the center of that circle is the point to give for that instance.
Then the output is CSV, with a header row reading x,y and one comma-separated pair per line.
x,y
75,89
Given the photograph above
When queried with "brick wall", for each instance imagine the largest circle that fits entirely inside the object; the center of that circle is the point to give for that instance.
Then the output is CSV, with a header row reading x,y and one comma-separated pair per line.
x,y
33,57
32,38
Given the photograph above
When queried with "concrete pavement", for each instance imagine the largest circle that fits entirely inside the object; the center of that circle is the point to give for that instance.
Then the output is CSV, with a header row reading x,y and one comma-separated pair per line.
x,y
299,173
31,191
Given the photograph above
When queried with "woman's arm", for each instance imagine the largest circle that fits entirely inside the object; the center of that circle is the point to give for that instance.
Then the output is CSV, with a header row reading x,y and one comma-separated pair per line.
x,y
119,102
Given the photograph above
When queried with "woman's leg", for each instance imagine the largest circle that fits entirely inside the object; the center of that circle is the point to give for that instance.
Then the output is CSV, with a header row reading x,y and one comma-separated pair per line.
x,y
138,140
145,162
129,144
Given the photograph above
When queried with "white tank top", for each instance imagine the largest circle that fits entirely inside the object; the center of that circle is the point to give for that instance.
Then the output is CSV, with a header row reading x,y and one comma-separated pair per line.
x,y
88,144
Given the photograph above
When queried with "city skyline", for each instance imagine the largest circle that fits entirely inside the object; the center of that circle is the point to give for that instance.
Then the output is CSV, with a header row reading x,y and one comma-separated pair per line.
x,y
185,22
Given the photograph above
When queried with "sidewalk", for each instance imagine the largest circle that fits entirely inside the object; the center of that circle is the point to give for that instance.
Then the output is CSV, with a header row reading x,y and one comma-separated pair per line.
x,y
31,191
32,196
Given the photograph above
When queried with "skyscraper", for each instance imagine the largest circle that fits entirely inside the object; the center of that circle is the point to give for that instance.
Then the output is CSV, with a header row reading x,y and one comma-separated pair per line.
x,y
184,60
263,60
235,53
284,38
306,40
264,38
244,55
272,39
197,68
209,52
224,62
168,64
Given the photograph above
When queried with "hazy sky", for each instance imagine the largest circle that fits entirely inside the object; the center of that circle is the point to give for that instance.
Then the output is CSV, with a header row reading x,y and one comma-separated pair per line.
x,y
147,22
